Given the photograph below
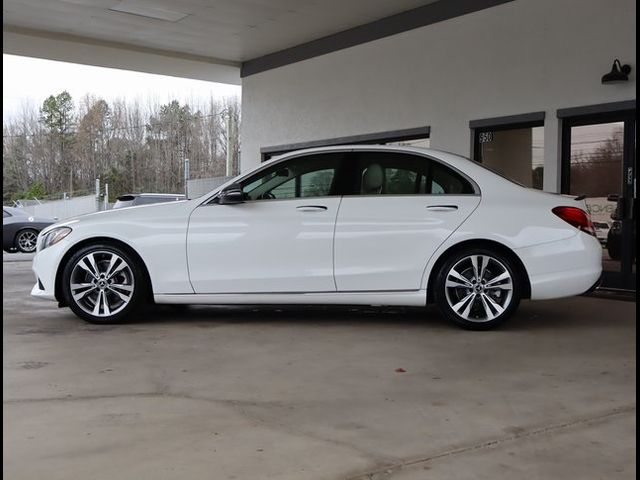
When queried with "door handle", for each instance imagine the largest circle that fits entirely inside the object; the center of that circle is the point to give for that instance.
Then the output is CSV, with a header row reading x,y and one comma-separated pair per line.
x,y
442,208
311,208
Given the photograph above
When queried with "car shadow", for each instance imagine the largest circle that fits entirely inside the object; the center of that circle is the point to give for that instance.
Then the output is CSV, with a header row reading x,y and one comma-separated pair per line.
x,y
320,314
564,314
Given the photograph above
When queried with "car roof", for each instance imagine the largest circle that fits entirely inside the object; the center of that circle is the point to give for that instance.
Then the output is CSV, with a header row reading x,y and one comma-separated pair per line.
x,y
15,211
152,195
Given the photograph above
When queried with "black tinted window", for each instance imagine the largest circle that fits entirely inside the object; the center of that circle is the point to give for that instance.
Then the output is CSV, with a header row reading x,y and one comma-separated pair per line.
x,y
395,173
305,176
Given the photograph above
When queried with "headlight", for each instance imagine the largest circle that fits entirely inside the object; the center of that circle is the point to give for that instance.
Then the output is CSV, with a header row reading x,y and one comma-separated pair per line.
x,y
53,236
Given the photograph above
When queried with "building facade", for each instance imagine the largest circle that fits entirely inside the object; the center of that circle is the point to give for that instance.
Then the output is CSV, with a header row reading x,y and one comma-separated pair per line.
x,y
516,85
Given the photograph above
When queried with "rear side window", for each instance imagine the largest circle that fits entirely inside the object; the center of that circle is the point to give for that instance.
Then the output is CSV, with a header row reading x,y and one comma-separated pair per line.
x,y
396,173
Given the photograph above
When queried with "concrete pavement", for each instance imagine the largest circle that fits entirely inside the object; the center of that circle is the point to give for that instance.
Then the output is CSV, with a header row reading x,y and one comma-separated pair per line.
x,y
247,393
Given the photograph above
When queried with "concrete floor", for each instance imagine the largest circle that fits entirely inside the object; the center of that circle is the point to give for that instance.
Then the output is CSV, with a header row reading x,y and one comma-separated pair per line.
x,y
316,393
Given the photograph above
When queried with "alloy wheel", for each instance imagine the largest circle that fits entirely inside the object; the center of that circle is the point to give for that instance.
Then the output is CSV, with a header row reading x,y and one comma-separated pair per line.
x,y
27,241
102,283
479,288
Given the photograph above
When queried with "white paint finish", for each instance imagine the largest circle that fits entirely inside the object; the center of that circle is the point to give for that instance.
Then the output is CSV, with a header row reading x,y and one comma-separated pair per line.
x,y
272,252
229,29
113,55
519,57
415,298
384,242
563,268
263,246
156,232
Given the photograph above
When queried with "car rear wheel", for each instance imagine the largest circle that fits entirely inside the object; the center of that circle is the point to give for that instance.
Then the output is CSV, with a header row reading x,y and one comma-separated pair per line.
x,y
478,289
26,240
103,284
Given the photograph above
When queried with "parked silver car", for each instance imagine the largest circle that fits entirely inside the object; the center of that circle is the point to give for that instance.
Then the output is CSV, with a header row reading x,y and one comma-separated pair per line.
x,y
135,199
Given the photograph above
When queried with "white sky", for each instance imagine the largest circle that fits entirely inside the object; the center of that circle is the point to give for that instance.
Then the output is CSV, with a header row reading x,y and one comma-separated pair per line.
x,y
30,80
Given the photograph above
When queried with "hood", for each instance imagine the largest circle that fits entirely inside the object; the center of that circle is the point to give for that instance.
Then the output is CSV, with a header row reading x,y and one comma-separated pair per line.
x,y
129,214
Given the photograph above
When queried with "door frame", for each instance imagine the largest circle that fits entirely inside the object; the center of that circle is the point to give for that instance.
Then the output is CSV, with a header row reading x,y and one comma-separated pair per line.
x,y
624,112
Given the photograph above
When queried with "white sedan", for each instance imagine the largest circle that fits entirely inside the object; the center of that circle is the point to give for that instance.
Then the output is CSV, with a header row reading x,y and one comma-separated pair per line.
x,y
351,225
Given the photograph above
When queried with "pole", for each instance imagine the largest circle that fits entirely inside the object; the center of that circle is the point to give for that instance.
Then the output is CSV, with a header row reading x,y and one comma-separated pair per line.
x,y
98,194
106,197
186,177
229,171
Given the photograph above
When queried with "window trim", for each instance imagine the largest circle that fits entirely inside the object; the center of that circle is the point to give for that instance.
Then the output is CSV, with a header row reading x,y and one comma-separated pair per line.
x,y
429,177
477,192
588,118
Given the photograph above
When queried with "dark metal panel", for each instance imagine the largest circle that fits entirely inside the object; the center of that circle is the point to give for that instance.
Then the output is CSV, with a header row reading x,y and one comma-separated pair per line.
x,y
378,137
385,27
511,120
597,109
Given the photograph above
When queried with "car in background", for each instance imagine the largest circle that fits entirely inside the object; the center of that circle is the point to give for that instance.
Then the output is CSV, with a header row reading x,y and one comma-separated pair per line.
x,y
602,230
614,241
614,235
135,199
20,230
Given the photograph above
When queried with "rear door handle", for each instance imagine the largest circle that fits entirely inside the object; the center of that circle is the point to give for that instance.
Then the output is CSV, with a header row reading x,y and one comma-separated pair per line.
x,y
442,208
311,208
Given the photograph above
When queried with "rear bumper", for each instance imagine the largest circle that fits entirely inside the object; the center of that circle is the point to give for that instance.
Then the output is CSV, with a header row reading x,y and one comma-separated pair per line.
x,y
594,286
564,268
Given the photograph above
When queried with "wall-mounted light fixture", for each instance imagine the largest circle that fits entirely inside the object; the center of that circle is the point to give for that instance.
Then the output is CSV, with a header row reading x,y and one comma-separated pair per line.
x,y
619,73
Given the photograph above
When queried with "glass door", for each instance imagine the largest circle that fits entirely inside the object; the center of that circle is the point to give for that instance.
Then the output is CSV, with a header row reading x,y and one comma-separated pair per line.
x,y
599,162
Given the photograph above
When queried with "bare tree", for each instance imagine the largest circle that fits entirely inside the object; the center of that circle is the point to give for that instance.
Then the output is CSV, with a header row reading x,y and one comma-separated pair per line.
x,y
134,145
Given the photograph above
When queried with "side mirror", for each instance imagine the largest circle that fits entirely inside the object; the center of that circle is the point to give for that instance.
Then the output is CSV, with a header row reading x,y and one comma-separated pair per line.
x,y
231,195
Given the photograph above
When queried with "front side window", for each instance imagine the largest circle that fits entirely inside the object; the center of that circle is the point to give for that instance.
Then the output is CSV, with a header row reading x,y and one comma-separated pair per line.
x,y
395,173
305,176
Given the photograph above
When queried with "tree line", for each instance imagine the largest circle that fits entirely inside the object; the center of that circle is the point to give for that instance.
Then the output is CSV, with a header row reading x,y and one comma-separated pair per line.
x,y
134,146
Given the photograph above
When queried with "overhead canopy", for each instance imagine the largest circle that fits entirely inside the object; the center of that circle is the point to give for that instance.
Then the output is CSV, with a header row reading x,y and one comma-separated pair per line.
x,y
207,40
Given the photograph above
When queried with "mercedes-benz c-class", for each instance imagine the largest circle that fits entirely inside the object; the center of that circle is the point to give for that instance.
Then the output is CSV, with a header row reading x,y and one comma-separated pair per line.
x,y
349,225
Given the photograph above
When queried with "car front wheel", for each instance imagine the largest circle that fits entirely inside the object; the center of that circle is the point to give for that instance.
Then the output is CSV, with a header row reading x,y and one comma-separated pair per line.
x,y
26,240
103,284
478,289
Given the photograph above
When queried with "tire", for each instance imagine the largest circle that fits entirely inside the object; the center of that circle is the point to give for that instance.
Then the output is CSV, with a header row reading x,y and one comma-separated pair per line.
x,y
26,239
478,305
104,284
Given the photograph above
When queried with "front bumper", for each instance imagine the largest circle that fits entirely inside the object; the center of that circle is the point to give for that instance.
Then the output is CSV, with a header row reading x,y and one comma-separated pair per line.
x,y
45,267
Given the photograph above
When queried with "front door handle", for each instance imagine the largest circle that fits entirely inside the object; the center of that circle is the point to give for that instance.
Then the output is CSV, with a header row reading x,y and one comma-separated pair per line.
x,y
442,208
311,208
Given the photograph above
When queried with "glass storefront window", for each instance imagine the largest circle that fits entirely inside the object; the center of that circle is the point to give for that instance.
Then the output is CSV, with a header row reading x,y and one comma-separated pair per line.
x,y
516,153
595,164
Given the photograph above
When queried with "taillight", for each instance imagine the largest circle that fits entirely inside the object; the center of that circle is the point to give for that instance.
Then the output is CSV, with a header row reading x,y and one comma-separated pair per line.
x,y
576,217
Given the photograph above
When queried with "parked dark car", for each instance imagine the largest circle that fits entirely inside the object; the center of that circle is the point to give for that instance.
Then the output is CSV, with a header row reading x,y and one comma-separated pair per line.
x,y
614,237
135,199
20,230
